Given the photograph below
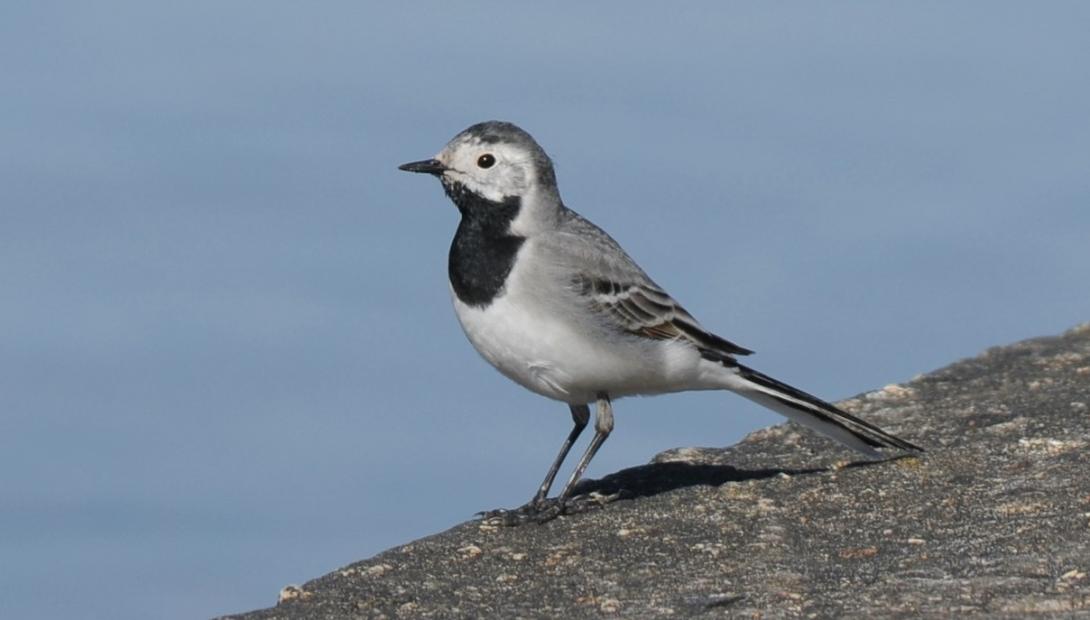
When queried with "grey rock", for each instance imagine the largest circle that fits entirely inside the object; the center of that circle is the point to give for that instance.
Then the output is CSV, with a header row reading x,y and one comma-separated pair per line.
x,y
993,519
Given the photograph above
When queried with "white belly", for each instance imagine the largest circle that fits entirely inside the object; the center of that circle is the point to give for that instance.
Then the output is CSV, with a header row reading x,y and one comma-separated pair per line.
x,y
563,359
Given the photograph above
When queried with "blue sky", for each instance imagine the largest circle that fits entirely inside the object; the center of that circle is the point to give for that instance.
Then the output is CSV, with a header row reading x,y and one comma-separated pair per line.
x,y
228,360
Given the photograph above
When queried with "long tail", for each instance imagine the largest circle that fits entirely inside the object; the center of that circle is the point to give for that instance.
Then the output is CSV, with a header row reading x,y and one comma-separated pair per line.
x,y
814,413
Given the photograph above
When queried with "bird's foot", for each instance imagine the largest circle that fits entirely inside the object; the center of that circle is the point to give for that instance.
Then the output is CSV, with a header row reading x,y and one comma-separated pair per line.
x,y
542,511
531,512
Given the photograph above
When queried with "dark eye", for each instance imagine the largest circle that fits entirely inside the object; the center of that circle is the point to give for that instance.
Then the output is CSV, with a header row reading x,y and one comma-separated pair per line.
x,y
486,161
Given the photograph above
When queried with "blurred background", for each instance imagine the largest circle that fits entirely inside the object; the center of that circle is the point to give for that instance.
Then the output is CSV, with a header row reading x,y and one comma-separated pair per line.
x,y
228,360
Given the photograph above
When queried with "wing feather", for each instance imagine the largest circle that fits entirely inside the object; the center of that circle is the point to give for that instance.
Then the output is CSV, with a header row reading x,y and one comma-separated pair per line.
x,y
644,309
612,285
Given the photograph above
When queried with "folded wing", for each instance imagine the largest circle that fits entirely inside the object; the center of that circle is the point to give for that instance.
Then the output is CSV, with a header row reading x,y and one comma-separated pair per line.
x,y
644,309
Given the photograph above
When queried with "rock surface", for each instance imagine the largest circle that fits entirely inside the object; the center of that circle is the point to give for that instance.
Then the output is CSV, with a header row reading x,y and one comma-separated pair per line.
x,y
993,519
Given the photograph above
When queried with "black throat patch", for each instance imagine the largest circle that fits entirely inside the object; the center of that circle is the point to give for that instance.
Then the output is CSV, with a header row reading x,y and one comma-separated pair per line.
x,y
483,250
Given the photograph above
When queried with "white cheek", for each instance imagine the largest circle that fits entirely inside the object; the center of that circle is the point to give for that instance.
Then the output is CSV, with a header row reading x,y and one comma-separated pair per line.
x,y
489,192
492,194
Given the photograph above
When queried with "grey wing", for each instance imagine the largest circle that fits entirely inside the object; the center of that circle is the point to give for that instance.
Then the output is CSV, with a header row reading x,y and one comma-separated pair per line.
x,y
618,291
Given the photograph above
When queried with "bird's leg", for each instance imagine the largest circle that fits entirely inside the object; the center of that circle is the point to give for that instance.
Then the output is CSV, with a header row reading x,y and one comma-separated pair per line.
x,y
603,425
541,509
580,414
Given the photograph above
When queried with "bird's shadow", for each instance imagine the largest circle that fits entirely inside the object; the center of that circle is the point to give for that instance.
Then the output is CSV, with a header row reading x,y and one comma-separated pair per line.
x,y
655,478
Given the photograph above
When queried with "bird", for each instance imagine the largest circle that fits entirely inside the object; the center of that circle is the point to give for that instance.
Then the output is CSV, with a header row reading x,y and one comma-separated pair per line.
x,y
556,305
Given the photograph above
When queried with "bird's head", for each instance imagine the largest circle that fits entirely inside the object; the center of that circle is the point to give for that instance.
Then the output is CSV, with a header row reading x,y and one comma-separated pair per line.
x,y
493,160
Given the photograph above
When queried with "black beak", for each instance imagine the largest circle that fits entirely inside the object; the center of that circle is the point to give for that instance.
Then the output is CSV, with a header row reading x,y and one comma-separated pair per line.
x,y
427,166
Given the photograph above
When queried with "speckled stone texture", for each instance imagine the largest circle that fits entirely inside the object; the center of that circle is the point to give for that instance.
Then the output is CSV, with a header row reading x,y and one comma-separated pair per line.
x,y
994,520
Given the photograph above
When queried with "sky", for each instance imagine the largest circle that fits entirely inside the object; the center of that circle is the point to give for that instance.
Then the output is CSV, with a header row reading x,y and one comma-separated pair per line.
x,y
228,360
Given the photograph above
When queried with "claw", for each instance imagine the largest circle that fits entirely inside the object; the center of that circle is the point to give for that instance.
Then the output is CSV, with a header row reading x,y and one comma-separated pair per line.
x,y
546,510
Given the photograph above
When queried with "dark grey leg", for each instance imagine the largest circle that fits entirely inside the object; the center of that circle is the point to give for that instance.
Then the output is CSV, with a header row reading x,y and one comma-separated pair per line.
x,y
580,414
541,508
603,425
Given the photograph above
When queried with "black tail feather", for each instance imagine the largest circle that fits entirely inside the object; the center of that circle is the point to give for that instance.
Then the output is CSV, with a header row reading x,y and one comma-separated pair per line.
x,y
803,402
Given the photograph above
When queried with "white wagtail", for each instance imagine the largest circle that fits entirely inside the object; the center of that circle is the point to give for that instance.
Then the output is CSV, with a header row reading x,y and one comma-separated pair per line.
x,y
557,306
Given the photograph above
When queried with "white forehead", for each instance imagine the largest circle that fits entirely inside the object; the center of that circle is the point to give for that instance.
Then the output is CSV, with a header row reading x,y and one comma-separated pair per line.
x,y
472,147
